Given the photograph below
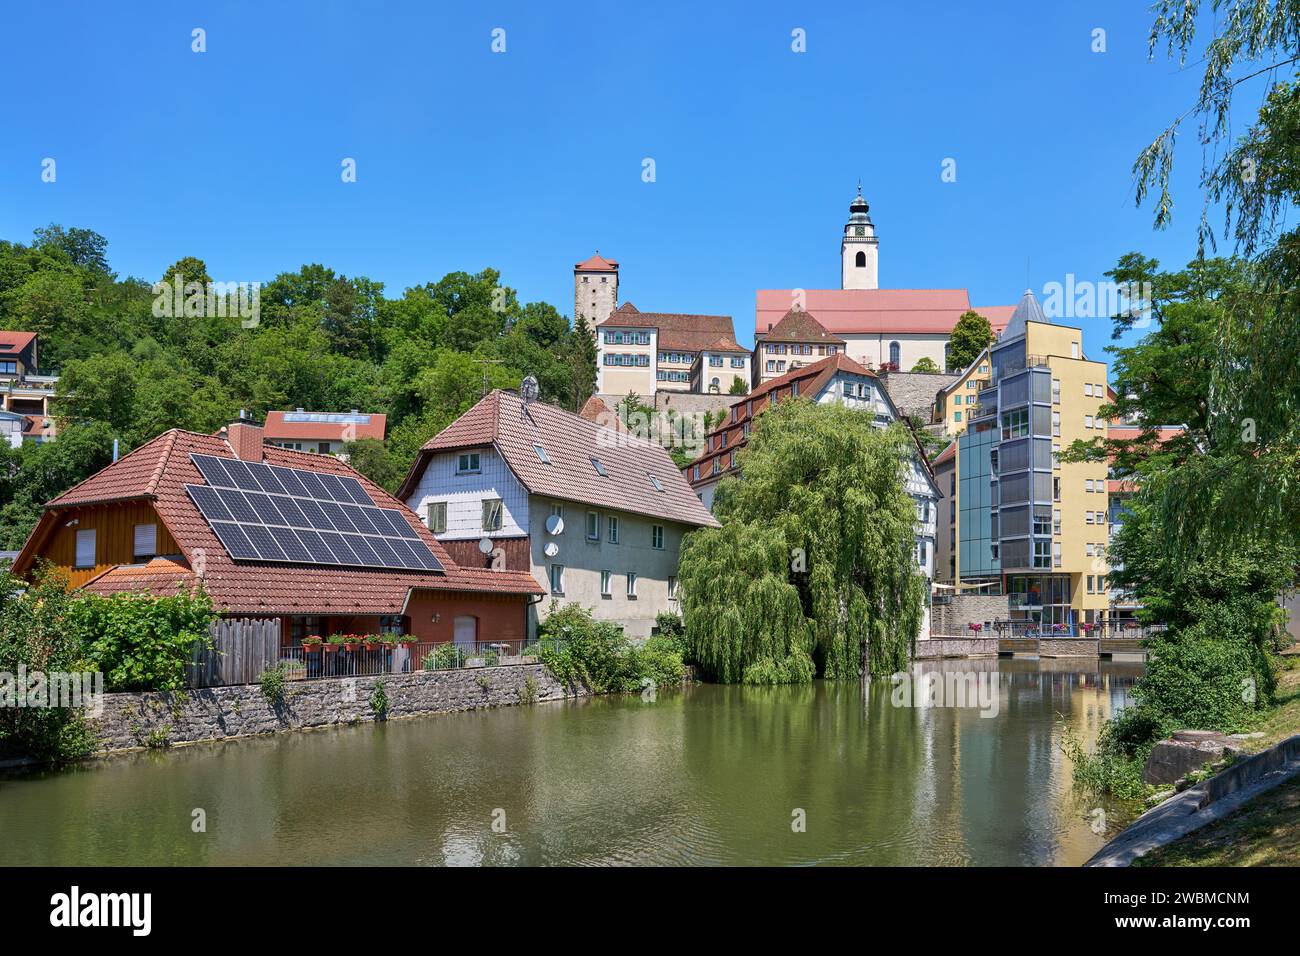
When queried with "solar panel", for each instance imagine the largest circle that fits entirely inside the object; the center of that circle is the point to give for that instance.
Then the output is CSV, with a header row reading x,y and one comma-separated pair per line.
x,y
209,503
234,540
237,504
264,512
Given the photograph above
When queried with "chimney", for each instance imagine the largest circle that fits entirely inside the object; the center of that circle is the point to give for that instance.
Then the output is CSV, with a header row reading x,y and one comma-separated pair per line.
x,y
245,436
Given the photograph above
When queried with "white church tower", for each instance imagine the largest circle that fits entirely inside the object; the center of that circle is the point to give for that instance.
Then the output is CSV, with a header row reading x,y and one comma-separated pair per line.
x,y
859,248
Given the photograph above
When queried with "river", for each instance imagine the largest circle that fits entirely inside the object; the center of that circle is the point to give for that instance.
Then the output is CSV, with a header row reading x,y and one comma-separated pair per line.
x,y
821,774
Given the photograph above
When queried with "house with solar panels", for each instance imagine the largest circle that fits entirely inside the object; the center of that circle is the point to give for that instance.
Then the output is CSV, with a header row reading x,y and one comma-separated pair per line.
x,y
271,533
322,433
594,515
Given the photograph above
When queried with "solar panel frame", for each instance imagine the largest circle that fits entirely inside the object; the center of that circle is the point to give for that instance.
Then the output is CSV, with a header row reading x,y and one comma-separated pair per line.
x,y
361,545
399,524
240,475
260,536
213,471
293,485
357,490
361,518
334,511
334,540
293,515
265,477
290,544
265,507
315,487
316,517
237,505
316,546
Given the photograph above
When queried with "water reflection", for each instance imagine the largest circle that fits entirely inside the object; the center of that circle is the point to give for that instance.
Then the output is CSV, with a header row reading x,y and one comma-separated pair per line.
x,y
710,775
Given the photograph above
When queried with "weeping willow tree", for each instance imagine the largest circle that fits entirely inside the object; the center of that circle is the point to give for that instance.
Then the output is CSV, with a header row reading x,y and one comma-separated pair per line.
x,y
814,562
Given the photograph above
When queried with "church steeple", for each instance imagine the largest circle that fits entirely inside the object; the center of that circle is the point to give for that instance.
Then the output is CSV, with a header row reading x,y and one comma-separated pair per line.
x,y
859,247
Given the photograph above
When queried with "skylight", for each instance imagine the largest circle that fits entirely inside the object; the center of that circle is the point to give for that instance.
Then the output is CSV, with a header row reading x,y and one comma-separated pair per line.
x,y
541,453
659,485
600,469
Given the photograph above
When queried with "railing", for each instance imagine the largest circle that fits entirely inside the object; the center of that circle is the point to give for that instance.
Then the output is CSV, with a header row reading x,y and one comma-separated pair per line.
x,y
1107,630
311,662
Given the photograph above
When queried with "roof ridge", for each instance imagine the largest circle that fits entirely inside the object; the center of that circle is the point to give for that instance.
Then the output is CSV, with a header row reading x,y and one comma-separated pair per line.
x,y
151,486
111,464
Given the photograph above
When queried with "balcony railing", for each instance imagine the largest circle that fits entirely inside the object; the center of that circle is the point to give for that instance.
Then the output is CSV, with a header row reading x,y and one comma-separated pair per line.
x,y
334,660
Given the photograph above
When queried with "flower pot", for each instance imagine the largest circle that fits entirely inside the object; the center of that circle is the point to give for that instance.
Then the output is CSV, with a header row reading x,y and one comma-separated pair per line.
x,y
312,648
351,646
330,648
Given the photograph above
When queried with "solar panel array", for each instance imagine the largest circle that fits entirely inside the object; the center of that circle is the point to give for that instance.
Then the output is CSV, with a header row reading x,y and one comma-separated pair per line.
x,y
265,512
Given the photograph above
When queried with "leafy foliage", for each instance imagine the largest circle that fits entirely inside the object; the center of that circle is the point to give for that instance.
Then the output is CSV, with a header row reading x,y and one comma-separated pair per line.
x,y
925,364
578,649
813,562
970,336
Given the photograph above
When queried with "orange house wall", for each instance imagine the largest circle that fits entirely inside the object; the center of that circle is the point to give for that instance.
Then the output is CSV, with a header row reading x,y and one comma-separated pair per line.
x,y
114,537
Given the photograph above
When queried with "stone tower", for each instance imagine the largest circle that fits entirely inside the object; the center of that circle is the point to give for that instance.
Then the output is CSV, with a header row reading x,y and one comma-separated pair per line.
x,y
859,248
595,289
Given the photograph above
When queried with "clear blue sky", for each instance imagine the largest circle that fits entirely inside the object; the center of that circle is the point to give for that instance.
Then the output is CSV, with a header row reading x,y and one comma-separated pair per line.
x,y
530,160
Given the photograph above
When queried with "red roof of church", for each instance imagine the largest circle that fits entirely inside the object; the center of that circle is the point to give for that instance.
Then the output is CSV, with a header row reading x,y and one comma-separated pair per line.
x,y
877,311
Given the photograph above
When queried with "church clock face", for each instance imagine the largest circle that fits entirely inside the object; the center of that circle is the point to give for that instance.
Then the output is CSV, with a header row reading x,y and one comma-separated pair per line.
x,y
859,230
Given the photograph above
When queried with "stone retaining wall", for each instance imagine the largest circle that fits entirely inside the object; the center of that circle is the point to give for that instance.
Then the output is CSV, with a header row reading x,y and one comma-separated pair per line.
x,y
937,647
1068,647
132,721
953,616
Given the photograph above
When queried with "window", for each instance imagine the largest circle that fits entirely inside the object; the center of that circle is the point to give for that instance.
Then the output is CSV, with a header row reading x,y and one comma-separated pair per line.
x,y
657,537
631,584
1087,391
1056,521
1056,391
860,260
541,454
1087,485
1087,517
672,589
1087,548
658,485
895,353
956,416
86,548
715,361
1015,424
1056,456
593,526
557,579
8,368
468,464
737,363
1042,554
1074,350
323,447
1056,424
611,523
492,510
1087,421
437,516
600,468
146,541
695,473
604,584
1056,489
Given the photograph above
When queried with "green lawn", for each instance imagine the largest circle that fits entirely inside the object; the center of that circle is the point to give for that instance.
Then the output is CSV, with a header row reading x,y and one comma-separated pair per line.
x,y
1265,832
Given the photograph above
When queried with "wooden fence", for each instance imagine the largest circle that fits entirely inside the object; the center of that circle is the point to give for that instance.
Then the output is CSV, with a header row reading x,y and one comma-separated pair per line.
x,y
241,650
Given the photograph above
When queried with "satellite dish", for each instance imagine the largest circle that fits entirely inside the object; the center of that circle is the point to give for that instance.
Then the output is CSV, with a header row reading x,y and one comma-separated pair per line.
x,y
551,549
554,525
528,389
485,545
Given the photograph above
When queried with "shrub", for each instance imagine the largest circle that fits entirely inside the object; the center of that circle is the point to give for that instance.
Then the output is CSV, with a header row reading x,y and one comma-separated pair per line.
x,y
445,657
795,668
272,681
379,700
142,642
660,659
579,649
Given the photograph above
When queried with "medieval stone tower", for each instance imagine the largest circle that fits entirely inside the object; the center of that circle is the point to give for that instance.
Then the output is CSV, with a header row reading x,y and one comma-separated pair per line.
x,y
595,289
859,248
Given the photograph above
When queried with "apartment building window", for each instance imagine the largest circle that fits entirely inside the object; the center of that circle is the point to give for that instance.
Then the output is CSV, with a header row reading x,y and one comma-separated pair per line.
x,y
1087,421
605,590
9,368
1087,548
956,416
468,464
1056,456
832,349
1056,521
1056,554
1015,424
593,526
557,579
715,361
1056,489
1042,524
717,465
737,363
1091,588
1101,517
771,365
1042,554
611,523
1087,485
696,470
1056,391
85,548
1056,424
1087,391
145,545
437,516
1074,350
657,537
1087,517
631,584
492,512
780,365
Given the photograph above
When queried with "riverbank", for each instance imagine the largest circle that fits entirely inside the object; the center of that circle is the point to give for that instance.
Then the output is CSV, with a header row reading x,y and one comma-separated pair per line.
x,y
1266,832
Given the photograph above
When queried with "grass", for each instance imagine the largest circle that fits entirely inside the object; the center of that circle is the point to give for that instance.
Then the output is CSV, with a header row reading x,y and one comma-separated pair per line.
x,y
1265,832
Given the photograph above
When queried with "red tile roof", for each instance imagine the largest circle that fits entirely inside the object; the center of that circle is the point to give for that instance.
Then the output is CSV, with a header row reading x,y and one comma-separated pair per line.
x,y
570,441
877,311
947,454
596,263
679,331
796,326
12,343
340,428
158,471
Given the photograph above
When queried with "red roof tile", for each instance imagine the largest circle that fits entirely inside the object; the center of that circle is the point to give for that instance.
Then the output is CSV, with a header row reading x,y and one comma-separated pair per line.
x,y
12,343
596,263
679,331
877,311
158,471
342,428
570,442
796,326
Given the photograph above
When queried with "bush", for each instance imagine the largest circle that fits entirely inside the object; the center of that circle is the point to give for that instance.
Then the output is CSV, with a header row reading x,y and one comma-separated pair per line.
x,y
578,649
272,681
445,657
796,668
141,642
1203,682
34,634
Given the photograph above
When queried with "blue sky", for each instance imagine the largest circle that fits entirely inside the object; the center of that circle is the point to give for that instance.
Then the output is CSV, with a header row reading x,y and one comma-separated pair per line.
x,y
531,159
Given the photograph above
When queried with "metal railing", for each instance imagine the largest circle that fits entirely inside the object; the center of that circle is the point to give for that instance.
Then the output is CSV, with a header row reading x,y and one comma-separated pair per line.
x,y
312,662
1108,630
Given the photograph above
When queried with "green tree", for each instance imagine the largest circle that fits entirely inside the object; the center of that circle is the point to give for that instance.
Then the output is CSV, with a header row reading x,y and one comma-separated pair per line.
x,y
738,386
813,562
971,335
926,365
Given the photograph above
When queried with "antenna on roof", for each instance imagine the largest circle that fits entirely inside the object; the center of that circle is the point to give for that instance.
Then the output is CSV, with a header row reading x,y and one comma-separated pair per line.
x,y
485,363
528,390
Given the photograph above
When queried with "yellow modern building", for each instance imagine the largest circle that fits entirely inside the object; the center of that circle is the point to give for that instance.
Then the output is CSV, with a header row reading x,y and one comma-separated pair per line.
x,y
954,405
1018,520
